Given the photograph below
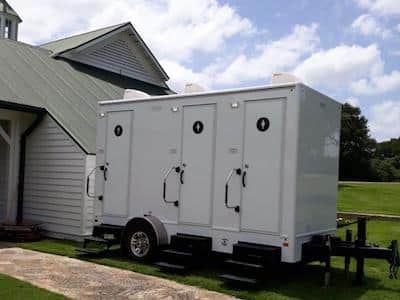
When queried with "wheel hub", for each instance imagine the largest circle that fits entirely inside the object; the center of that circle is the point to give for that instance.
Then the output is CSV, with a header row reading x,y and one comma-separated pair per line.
x,y
140,244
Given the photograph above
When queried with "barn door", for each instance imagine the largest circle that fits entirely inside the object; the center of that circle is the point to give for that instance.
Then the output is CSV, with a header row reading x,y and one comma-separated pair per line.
x,y
260,209
116,173
197,164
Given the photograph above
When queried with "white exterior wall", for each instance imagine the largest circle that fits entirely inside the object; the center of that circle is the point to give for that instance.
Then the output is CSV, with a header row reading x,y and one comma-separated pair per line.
x,y
55,182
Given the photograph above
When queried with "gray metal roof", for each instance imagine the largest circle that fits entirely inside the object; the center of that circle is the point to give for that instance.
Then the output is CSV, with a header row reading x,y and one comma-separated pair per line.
x,y
72,42
68,91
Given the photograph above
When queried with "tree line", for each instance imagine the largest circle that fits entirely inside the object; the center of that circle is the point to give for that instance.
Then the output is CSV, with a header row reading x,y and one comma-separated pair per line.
x,y
362,158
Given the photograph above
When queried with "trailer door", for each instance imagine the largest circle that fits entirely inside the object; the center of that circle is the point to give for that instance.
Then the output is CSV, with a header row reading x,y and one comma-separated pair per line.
x,y
116,174
260,209
198,140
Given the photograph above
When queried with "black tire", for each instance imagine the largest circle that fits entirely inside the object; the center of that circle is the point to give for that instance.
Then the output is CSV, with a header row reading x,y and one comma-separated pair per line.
x,y
143,231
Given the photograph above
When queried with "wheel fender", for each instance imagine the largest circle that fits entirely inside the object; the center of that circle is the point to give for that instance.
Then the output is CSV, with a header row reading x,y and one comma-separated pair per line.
x,y
155,223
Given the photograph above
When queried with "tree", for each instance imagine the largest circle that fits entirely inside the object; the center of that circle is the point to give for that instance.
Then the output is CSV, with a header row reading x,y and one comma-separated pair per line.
x,y
356,146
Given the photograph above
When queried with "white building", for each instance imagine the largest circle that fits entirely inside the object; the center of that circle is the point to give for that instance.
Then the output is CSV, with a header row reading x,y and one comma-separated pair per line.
x,y
48,100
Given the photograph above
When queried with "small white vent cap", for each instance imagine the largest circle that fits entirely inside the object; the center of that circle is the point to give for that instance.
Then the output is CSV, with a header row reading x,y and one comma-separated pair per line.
x,y
281,78
193,88
134,94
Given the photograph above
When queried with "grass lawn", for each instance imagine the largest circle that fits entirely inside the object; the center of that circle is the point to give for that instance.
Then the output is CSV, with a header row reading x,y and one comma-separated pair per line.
x,y
11,288
369,197
287,282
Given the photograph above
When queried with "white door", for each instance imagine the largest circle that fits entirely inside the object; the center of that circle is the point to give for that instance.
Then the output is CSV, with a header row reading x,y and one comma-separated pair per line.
x,y
116,173
198,137
260,209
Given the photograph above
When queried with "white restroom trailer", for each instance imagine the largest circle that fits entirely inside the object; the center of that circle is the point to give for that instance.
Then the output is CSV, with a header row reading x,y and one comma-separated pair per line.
x,y
256,165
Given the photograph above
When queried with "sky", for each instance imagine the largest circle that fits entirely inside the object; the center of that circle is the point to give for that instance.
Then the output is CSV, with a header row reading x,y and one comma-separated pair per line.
x,y
347,49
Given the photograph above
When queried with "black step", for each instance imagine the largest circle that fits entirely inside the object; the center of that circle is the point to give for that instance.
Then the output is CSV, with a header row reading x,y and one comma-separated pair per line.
x,y
90,251
256,253
239,279
176,252
177,257
171,266
198,245
244,264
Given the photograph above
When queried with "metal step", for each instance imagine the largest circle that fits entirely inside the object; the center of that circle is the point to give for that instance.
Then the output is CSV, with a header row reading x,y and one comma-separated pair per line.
x,y
170,266
176,252
240,279
199,246
90,251
244,264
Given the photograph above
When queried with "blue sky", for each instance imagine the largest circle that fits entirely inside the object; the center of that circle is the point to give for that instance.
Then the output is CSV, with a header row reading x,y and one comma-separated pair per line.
x,y
348,49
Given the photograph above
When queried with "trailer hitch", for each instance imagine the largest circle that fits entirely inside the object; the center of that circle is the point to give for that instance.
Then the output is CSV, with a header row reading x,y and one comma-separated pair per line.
x,y
319,250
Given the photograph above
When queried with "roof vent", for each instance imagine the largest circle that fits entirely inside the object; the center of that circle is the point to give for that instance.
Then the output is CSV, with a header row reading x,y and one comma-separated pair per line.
x,y
134,94
281,78
193,88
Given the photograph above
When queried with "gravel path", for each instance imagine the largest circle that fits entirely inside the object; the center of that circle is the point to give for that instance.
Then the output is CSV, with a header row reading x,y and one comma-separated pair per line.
x,y
84,280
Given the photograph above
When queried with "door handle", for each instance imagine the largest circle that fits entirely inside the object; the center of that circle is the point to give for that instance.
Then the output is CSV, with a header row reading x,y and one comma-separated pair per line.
x,y
228,179
177,169
181,176
104,169
244,179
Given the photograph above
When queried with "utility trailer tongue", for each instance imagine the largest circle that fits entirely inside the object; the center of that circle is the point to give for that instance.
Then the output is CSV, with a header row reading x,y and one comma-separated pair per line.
x,y
323,247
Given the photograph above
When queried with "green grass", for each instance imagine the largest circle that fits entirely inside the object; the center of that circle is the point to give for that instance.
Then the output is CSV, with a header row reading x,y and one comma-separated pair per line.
x,y
381,198
287,282
14,289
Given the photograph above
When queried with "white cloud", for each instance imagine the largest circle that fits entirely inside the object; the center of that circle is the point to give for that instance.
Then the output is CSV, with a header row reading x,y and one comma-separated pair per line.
x,y
369,26
182,75
384,121
353,101
173,29
378,84
278,55
339,66
270,57
381,7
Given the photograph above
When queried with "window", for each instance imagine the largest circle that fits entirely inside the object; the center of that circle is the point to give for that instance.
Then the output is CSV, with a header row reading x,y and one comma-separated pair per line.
x,y
7,29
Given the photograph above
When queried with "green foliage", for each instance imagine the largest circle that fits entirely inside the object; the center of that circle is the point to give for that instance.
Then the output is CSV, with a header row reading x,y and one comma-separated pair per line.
x,y
361,157
356,146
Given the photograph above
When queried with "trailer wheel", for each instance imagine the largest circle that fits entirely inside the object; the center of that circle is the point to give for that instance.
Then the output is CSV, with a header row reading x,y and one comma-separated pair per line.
x,y
139,242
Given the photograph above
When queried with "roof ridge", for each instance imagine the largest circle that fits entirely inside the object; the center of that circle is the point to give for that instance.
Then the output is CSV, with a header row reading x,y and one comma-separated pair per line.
x,y
84,33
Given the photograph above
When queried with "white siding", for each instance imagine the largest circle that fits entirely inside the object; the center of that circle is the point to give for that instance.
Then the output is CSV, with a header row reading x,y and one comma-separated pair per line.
x,y
120,54
88,204
54,180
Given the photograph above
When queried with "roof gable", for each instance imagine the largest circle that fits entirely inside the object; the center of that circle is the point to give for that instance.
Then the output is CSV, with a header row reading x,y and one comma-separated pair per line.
x,y
118,49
